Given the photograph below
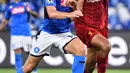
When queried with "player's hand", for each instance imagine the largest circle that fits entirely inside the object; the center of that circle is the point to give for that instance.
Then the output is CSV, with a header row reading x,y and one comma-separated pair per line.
x,y
68,2
72,3
28,8
75,14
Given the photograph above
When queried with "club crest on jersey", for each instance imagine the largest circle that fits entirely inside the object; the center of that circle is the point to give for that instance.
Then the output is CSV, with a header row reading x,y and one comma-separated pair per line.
x,y
90,33
49,1
93,1
36,49
18,10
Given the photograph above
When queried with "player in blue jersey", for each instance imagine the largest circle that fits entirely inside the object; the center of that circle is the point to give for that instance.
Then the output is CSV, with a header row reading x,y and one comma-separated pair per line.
x,y
18,14
56,32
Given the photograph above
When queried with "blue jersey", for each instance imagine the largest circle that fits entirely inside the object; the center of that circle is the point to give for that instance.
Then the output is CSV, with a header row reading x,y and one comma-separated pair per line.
x,y
19,19
52,25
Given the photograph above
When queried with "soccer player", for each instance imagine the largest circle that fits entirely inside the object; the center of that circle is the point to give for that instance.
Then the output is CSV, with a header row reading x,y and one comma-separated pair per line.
x,y
18,14
56,32
92,29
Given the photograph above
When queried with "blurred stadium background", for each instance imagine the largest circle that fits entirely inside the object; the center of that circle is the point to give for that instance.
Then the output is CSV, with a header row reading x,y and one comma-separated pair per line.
x,y
119,36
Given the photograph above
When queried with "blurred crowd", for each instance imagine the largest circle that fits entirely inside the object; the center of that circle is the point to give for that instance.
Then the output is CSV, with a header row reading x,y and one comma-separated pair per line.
x,y
119,13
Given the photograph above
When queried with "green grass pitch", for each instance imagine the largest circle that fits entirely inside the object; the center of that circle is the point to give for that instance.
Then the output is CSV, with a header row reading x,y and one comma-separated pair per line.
x,y
46,70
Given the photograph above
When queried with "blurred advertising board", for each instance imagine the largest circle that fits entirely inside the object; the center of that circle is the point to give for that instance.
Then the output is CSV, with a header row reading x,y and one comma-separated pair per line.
x,y
119,56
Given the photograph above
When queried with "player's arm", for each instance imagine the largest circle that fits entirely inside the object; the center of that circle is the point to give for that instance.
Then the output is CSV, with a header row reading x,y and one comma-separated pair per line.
x,y
80,4
74,4
6,20
33,13
71,3
3,24
53,13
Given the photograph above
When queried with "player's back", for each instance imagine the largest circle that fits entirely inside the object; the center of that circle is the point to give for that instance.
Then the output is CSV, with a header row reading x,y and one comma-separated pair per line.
x,y
52,25
95,14
19,18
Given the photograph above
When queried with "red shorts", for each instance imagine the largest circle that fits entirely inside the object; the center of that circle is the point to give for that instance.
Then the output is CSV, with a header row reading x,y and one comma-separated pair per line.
x,y
86,34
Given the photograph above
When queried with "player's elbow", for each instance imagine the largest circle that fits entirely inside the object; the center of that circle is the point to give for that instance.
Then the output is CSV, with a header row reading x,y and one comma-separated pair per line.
x,y
52,15
35,15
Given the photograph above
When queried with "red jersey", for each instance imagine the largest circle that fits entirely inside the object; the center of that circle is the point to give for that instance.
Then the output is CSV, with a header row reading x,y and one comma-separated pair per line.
x,y
95,14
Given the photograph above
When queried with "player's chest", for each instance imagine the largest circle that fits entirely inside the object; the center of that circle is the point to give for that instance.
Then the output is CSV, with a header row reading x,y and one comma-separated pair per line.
x,y
18,10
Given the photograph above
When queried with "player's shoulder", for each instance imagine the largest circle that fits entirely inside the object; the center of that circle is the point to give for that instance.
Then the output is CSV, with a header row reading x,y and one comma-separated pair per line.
x,y
10,5
23,3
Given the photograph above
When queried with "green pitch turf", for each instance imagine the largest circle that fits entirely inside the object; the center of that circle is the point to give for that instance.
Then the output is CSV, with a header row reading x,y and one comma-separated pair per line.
x,y
44,70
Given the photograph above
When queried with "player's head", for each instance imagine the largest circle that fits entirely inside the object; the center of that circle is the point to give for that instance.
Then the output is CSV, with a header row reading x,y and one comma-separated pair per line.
x,y
15,0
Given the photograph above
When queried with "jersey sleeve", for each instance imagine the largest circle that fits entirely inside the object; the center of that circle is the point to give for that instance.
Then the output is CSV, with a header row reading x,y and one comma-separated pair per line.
x,y
7,14
50,3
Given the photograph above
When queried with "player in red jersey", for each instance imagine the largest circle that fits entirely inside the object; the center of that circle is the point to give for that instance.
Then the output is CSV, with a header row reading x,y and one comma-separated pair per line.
x,y
92,29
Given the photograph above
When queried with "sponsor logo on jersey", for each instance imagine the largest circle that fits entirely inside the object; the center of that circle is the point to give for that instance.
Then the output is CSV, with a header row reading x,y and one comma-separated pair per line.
x,y
18,10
